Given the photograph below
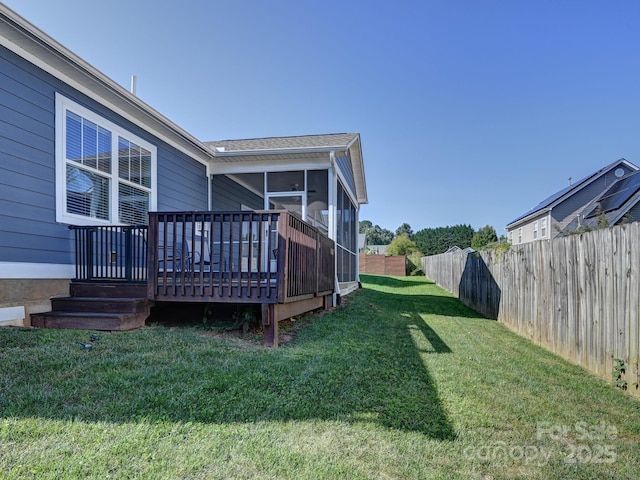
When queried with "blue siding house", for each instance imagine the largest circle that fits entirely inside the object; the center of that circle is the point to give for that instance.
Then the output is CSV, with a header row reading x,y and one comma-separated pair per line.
x,y
78,151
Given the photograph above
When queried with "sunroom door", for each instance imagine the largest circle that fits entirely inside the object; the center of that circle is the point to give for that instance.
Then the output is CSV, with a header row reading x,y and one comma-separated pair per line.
x,y
294,203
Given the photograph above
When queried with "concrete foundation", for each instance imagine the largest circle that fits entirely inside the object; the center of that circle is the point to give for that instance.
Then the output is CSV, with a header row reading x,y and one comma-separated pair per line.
x,y
32,295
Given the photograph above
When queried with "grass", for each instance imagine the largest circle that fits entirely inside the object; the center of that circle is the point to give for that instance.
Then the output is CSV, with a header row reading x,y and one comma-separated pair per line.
x,y
403,381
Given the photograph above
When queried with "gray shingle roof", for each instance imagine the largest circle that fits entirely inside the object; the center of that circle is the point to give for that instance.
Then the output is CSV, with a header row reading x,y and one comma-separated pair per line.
x,y
331,140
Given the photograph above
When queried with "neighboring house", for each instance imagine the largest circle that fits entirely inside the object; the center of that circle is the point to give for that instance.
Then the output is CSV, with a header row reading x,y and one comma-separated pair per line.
x,y
619,203
84,164
564,211
362,242
377,249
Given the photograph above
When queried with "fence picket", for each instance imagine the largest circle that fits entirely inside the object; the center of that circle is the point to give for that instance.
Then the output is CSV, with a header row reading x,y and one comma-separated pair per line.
x,y
577,296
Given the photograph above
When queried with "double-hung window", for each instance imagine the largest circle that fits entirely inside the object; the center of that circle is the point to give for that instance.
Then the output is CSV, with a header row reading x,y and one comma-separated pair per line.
x,y
535,229
105,175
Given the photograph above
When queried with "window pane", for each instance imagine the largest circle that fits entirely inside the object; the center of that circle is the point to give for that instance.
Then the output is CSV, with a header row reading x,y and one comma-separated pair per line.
x,y
124,150
318,198
89,143
87,193
145,168
353,241
133,204
134,163
339,216
285,181
347,234
74,137
291,203
104,150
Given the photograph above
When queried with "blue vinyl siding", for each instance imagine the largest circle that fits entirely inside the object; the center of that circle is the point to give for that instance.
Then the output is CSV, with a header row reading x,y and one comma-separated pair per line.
x,y
28,228
182,182
230,196
633,215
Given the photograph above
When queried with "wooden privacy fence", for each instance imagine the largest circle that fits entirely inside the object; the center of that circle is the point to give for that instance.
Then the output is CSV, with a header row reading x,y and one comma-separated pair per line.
x,y
383,265
577,296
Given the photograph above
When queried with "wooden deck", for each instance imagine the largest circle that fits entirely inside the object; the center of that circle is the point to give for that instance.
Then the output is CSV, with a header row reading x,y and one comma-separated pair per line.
x,y
268,258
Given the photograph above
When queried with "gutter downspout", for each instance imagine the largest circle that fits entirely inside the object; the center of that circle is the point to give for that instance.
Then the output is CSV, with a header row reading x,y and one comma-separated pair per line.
x,y
209,186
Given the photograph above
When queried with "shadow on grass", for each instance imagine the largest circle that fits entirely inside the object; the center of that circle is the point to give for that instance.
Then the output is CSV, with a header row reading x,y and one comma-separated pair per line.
x,y
358,364
436,343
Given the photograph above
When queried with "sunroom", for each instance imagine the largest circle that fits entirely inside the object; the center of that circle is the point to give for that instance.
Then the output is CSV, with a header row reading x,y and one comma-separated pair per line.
x,y
317,178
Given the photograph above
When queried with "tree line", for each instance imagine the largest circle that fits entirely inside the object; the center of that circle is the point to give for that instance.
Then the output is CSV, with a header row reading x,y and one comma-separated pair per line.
x,y
428,241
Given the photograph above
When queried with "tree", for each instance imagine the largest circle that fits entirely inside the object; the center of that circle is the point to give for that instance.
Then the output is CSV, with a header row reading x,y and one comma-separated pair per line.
x,y
603,221
404,229
432,241
380,236
484,237
364,225
401,245
375,234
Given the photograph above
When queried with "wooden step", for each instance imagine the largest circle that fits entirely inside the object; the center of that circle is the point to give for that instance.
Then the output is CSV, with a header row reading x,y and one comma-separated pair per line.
x,y
89,320
108,290
100,304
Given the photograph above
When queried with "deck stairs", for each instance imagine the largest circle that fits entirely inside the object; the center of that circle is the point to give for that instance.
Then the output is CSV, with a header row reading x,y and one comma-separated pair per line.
x,y
97,306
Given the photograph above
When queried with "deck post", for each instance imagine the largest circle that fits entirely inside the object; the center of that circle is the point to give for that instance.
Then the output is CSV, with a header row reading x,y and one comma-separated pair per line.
x,y
152,257
270,325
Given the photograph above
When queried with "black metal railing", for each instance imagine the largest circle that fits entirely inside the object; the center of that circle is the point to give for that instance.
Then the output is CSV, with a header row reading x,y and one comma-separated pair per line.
x,y
111,253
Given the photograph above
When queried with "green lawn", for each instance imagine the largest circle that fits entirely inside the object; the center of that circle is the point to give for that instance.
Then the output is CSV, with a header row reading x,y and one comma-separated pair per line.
x,y
403,381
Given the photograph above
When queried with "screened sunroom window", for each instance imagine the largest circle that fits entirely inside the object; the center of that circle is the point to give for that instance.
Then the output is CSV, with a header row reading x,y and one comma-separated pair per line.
x,y
105,174
346,239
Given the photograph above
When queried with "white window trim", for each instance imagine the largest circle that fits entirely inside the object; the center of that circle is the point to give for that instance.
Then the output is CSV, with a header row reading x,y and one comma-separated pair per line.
x,y
535,230
63,104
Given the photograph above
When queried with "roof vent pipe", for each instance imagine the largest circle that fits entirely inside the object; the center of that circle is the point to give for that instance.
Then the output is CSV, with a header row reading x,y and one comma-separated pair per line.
x,y
134,81
569,181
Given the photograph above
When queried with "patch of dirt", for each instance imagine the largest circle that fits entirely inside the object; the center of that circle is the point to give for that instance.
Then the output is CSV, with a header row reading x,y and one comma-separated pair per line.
x,y
287,330
223,323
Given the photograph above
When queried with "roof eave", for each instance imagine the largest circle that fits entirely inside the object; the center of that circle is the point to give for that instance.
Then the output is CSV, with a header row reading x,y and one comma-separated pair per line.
x,y
274,151
358,170
528,218
357,163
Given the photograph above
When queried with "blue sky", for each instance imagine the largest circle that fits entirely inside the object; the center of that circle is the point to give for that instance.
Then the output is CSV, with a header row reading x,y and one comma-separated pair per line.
x,y
470,111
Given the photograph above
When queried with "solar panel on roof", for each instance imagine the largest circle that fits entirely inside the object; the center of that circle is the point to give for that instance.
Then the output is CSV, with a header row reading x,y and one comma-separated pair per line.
x,y
618,194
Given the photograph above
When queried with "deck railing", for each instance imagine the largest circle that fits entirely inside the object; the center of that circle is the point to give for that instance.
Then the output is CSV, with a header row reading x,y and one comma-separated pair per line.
x,y
248,256
108,253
